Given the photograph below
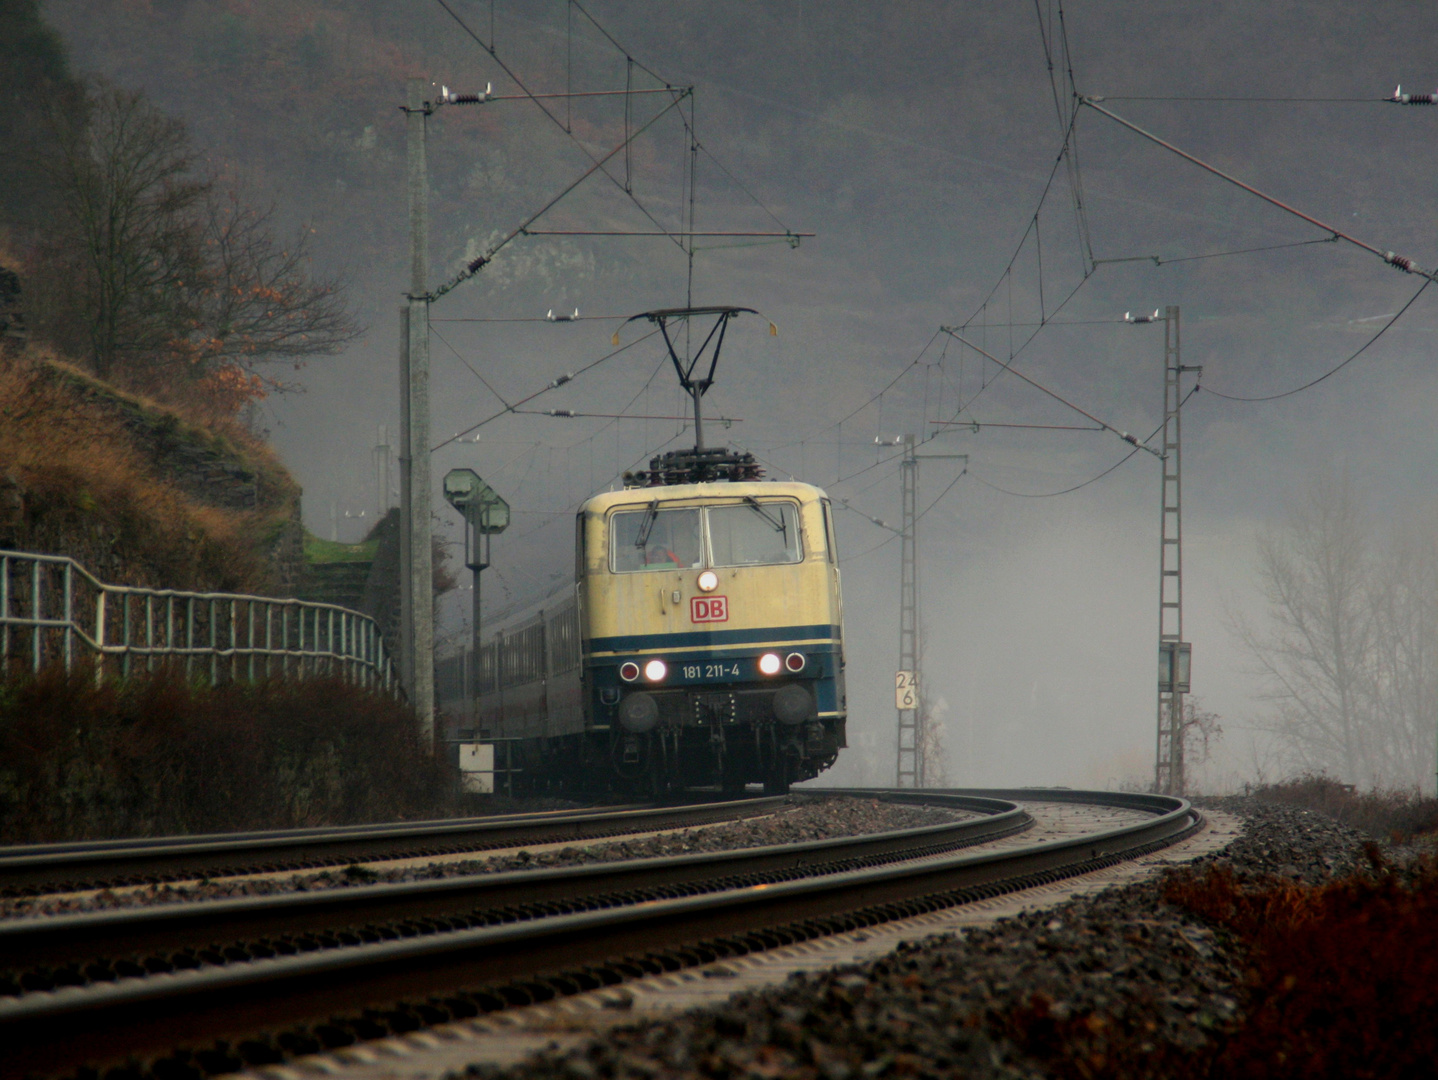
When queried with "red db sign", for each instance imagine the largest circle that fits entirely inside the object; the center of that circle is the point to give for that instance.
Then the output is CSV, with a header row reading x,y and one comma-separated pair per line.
x,y
709,609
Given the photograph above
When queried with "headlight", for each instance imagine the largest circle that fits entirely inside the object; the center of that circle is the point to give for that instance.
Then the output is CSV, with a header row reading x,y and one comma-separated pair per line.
x,y
795,662
770,663
708,581
655,670
629,671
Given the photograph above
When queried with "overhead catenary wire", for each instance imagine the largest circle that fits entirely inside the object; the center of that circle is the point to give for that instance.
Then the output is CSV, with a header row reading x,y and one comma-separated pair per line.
x,y
679,92
532,319
474,266
1068,128
1334,370
883,460
1090,480
1160,261
570,414
977,425
1250,99
1124,435
910,366
1400,262
918,518
1065,491
1075,172
544,390
472,369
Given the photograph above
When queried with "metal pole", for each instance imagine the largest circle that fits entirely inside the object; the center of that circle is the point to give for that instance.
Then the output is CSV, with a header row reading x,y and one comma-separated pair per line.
x,y
69,616
475,569
910,752
406,563
99,635
697,394
476,557
1168,757
421,554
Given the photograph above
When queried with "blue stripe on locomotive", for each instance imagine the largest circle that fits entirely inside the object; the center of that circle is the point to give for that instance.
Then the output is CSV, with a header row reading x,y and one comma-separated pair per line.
x,y
819,643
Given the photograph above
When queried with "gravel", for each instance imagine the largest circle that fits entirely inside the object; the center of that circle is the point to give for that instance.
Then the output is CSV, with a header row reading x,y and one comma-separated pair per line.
x,y
807,818
1118,979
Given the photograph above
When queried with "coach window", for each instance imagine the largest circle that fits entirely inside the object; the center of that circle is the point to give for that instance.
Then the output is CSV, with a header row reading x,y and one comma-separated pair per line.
x,y
754,534
655,539
829,531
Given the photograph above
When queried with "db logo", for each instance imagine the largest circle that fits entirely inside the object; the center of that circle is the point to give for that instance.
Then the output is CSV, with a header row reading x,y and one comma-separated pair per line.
x,y
709,609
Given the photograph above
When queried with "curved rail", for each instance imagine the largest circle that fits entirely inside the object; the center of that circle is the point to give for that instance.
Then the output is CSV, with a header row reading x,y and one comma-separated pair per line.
x,y
52,867
60,1029
393,909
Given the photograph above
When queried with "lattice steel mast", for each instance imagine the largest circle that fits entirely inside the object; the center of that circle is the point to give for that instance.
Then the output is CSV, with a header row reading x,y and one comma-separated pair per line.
x,y
1173,651
910,748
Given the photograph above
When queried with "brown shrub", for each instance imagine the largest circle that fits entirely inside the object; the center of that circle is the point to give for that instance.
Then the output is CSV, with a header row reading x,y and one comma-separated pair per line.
x,y
1345,975
1381,814
156,755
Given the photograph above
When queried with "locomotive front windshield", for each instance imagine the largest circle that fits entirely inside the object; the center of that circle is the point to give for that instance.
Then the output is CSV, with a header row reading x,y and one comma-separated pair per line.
x,y
656,540
755,534
749,534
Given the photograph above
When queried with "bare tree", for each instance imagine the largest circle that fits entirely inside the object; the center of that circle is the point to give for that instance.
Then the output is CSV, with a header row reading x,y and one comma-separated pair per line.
x,y
1199,730
127,255
934,753
1317,656
259,302
1404,664
168,279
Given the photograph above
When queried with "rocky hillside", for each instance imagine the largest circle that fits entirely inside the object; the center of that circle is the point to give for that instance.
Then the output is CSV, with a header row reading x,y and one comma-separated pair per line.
x,y
137,492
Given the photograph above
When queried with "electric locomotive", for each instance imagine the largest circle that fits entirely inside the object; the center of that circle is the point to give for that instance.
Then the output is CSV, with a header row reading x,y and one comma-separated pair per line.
x,y
701,642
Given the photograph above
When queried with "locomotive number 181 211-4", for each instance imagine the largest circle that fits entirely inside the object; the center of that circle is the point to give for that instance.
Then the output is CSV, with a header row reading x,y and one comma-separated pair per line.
x,y
719,669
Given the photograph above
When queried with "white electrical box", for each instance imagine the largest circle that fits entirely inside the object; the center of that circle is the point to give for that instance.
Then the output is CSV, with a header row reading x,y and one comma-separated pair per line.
x,y
476,768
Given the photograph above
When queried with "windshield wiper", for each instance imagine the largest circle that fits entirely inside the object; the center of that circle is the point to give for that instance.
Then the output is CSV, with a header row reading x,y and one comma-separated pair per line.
x,y
779,526
647,525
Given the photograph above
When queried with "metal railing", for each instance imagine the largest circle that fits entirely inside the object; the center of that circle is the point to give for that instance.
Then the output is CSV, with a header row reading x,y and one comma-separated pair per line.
x,y
53,610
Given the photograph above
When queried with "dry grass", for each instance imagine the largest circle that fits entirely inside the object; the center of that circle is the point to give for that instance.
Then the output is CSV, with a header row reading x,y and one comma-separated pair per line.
x,y
1396,815
87,485
1340,982
1344,979
156,755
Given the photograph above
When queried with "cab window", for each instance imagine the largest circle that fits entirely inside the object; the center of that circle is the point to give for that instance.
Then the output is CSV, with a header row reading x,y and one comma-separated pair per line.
x,y
653,539
754,534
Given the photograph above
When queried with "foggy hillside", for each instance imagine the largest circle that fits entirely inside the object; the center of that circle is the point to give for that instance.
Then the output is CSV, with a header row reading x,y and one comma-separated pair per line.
x,y
916,140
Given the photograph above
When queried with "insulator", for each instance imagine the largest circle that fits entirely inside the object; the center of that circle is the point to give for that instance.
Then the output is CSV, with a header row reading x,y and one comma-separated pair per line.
x,y
1401,261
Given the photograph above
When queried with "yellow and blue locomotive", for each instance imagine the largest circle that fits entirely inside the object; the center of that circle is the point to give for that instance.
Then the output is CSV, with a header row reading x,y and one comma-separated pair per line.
x,y
700,644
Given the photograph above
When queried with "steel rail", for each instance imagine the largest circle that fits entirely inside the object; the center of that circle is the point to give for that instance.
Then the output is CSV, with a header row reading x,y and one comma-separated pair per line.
x,y
53,1031
30,868
157,929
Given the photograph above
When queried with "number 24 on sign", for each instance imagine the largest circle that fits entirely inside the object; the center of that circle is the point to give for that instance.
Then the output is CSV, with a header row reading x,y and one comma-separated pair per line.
x,y
906,690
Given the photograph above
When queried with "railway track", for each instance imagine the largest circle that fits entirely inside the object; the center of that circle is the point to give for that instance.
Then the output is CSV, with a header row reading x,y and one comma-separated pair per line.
x,y
33,869
322,970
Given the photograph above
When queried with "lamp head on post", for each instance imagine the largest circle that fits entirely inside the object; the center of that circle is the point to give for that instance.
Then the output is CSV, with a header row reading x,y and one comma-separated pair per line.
x,y
485,511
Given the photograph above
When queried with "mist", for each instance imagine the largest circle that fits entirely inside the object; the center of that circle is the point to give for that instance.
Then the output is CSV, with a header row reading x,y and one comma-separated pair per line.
x,y
916,140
